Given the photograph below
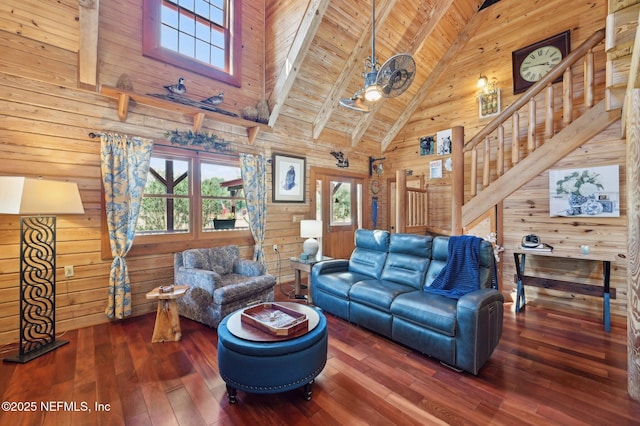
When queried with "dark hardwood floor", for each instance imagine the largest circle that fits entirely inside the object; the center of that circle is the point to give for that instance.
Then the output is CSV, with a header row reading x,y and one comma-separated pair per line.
x,y
550,368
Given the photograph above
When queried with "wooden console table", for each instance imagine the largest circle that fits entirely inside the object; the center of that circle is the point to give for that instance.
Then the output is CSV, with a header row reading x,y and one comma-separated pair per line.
x,y
592,290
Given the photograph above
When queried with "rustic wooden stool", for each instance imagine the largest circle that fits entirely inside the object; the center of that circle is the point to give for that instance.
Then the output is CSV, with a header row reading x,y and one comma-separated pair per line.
x,y
167,327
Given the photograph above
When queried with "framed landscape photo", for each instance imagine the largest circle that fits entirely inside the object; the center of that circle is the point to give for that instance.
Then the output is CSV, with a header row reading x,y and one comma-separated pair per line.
x,y
288,174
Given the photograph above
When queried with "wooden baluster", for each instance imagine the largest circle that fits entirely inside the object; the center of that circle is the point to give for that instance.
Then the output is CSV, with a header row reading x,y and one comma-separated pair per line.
x,y
515,138
474,172
567,96
500,161
486,163
531,131
548,106
588,79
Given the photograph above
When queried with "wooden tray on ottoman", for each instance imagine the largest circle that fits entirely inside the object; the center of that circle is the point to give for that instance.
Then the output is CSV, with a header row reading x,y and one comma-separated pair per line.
x,y
275,319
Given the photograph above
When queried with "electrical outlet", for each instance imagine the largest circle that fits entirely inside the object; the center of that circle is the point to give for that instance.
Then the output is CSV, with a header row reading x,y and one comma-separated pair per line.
x,y
68,271
275,248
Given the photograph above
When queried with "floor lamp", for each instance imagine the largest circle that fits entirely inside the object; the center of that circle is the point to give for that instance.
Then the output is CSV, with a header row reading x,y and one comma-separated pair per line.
x,y
39,199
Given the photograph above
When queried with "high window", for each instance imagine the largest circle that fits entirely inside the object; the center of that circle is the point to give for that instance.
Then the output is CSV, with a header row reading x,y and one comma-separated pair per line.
x,y
203,36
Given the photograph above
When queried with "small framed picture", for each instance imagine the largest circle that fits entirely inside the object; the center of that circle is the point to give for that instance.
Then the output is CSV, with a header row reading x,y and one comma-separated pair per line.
x,y
489,103
289,177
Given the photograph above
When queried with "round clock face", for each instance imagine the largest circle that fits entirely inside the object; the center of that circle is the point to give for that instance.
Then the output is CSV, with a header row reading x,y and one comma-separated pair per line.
x,y
539,62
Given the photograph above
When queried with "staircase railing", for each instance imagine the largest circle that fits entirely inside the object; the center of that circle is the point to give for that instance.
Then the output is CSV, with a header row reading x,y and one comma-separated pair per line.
x,y
492,170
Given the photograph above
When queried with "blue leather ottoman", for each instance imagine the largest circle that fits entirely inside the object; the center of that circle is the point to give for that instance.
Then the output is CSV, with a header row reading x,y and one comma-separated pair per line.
x,y
271,366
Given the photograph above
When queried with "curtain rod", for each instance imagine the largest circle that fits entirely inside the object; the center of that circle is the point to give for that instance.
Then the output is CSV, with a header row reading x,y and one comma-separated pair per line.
x,y
94,135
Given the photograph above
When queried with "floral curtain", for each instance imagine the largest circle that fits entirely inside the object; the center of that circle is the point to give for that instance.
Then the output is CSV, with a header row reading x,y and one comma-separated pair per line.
x,y
125,164
253,170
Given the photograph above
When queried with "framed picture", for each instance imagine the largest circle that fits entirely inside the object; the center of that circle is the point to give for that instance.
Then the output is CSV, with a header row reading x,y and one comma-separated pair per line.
x,y
489,103
289,177
443,140
585,192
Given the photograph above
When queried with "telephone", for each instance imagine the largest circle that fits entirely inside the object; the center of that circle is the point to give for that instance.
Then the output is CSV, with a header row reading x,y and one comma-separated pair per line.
x,y
531,240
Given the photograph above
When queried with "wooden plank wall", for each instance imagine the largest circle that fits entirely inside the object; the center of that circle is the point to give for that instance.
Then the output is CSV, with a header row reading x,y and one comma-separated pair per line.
x,y
44,128
511,25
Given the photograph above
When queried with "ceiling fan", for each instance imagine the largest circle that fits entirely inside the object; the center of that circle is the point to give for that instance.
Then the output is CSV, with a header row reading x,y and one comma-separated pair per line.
x,y
390,80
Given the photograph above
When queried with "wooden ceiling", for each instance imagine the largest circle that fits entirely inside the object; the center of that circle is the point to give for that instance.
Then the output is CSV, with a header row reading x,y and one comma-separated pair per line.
x,y
325,43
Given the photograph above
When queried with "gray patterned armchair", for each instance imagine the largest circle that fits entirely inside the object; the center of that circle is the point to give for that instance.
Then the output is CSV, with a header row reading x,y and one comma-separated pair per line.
x,y
220,283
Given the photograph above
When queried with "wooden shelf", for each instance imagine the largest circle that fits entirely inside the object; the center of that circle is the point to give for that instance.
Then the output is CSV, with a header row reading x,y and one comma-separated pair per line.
x,y
198,115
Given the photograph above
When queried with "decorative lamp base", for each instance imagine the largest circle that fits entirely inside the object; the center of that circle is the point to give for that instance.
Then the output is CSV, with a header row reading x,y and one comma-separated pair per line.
x,y
310,247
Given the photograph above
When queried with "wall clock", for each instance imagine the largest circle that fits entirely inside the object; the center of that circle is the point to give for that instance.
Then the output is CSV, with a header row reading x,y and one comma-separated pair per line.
x,y
533,62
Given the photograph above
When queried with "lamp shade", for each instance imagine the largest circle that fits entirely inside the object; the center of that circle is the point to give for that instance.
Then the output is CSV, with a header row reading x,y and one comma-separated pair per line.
x,y
23,195
311,228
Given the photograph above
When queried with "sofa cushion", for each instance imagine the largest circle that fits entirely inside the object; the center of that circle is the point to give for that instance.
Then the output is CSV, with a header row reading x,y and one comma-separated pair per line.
x,y
197,259
370,252
377,293
408,259
440,251
337,283
431,311
223,258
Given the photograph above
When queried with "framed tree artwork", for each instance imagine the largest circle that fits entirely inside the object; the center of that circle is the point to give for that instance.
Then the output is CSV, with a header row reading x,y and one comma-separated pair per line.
x,y
289,177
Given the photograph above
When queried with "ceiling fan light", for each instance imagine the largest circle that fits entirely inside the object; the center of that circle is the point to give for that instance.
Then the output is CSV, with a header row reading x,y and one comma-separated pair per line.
x,y
372,93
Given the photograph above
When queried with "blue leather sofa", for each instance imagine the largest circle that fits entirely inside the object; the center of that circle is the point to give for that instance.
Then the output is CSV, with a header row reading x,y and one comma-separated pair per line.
x,y
380,287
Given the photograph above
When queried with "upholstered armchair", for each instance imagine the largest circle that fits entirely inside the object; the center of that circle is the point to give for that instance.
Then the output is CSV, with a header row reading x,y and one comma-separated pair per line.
x,y
220,283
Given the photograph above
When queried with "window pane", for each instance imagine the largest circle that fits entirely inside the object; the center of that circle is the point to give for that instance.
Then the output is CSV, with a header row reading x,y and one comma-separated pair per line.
x,y
186,45
167,178
217,57
187,24
203,32
187,4
169,16
202,51
341,203
217,15
222,196
169,38
202,8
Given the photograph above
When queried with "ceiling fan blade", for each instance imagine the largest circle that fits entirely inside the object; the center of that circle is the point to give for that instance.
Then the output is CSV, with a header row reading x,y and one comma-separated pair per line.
x,y
354,104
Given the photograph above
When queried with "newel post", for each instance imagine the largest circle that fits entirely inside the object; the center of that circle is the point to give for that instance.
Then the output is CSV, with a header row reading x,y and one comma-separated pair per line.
x,y
633,244
457,179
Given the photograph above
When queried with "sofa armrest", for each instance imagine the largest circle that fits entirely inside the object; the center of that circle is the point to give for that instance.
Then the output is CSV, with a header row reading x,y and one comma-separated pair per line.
x,y
197,278
479,317
248,268
475,300
330,266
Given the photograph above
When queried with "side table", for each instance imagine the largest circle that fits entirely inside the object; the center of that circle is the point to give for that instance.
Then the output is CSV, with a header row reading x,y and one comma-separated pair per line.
x,y
304,265
167,326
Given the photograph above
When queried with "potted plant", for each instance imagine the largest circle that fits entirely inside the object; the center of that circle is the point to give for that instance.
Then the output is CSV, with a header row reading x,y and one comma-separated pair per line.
x,y
225,221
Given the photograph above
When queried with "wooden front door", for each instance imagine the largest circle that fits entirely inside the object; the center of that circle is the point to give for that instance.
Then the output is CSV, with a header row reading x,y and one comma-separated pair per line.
x,y
338,203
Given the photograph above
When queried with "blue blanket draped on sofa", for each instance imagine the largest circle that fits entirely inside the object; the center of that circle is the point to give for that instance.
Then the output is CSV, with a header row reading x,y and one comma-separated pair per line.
x,y
461,275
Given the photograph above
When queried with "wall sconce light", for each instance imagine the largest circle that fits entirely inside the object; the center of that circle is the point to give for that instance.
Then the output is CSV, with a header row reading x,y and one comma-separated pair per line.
x,y
483,82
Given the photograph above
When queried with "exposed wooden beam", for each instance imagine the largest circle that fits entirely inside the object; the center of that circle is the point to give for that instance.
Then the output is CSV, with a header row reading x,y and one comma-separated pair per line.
x,y
427,27
299,48
89,15
353,62
431,80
